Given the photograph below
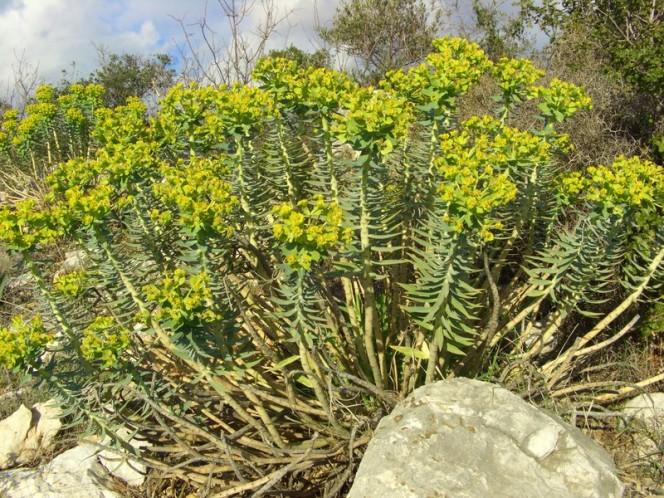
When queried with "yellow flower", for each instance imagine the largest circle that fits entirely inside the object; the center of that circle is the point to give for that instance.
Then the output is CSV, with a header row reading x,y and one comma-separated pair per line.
x,y
309,230
22,342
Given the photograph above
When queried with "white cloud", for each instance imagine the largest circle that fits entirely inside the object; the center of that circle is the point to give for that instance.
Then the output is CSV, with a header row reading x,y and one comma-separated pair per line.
x,y
54,33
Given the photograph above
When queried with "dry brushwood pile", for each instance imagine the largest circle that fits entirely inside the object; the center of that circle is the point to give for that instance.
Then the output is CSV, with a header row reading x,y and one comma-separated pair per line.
x,y
270,268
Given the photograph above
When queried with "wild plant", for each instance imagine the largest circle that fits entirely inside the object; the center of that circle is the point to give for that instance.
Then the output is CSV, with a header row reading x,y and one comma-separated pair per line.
x,y
53,128
270,268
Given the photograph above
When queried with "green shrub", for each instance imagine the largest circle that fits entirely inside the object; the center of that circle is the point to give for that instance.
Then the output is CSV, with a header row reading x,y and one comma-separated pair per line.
x,y
271,268
52,129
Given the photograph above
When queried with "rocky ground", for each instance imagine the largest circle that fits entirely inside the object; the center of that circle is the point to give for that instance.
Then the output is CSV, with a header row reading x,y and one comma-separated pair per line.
x,y
458,438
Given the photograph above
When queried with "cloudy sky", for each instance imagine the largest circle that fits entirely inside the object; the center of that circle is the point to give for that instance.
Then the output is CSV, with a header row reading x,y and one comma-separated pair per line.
x,y
54,33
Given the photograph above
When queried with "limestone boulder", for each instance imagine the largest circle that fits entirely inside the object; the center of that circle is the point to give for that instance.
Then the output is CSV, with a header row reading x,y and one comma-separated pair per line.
x,y
76,473
28,433
464,438
13,433
121,464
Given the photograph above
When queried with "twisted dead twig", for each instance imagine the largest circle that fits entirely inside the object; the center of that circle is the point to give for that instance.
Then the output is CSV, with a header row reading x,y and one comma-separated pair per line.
x,y
268,481
630,390
277,476
562,362
386,396
557,370
334,490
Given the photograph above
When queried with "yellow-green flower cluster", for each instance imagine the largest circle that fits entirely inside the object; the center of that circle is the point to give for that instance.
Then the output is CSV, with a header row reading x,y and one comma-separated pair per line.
x,y
561,100
44,94
628,184
8,128
75,172
325,89
87,206
71,284
116,165
206,117
449,72
373,120
515,78
79,104
123,124
518,148
475,163
26,225
294,88
35,125
180,297
86,191
511,147
124,165
104,341
243,109
22,342
458,62
281,77
40,120
203,199
182,116
309,230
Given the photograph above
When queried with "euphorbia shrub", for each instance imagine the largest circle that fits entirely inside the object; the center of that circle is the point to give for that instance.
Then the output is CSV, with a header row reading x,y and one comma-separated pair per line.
x,y
271,268
53,128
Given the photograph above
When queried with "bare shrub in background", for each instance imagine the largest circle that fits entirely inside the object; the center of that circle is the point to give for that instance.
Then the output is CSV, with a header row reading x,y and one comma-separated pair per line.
x,y
212,59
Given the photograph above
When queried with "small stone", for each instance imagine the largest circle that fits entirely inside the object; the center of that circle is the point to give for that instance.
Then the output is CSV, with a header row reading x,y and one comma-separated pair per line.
x,y
648,409
26,434
74,261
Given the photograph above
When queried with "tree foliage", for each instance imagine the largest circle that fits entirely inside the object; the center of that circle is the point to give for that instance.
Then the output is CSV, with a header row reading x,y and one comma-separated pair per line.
x,y
132,75
384,35
319,58
630,33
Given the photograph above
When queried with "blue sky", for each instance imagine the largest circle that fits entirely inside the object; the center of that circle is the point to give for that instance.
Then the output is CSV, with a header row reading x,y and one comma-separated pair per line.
x,y
51,34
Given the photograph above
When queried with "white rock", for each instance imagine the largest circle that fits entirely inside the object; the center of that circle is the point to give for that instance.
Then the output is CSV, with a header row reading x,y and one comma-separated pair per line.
x,y
74,261
13,432
41,437
25,434
123,466
647,409
21,283
73,474
464,438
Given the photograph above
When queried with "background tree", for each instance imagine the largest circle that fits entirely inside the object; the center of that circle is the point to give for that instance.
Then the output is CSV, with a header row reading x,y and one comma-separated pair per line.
x,y
500,34
211,58
319,58
384,34
132,75
627,36
631,33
